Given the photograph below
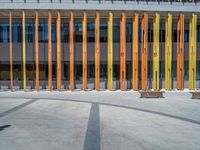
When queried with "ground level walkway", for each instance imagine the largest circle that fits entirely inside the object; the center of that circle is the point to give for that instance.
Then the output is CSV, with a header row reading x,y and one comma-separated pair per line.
x,y
98,121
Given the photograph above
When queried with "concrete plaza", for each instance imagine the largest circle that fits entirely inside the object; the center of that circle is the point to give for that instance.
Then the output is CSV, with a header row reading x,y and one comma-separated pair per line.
x,y
98,121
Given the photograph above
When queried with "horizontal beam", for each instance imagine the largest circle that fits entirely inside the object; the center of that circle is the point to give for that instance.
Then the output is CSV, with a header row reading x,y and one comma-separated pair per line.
x,y
106,5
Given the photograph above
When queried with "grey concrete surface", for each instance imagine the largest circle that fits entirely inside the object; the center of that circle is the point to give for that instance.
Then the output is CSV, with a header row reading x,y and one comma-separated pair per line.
x,y
98,121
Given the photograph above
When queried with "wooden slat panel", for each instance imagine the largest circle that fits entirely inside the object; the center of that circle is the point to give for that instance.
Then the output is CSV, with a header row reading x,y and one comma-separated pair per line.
x,y
168,52
37,52
192,52
97,51
110,50
84,50
123,51
71,49
180,52
24,50
135,52
144,54
11,52
58,30
156,51
49,51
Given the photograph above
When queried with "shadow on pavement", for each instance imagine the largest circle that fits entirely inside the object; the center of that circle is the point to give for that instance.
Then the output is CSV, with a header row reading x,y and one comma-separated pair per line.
x,y
3,127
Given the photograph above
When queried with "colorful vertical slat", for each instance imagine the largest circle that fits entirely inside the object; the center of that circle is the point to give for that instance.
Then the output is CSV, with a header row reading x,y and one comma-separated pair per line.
x,y
11,51
144,51
156,50
135,52
49,51
37,52
84,50
110,51
24,50
168,52
192,52
71,49
123,51
97,51
58,35
180,52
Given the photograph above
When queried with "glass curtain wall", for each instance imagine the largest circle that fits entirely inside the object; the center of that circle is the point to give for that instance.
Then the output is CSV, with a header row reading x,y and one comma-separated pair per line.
x,y
4,58
43,52
78,53
103,53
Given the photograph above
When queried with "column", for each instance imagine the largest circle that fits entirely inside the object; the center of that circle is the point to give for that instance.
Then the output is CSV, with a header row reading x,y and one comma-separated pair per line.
x,y
180,52
110,50
84,50
71,49
24,50
144,52
49,52
192,52
37,53
123,51
168,52
97,51
58,37
135,52
156,49
11,52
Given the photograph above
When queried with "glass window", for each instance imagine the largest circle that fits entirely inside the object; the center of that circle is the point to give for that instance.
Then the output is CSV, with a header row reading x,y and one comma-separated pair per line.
x,y
29,32
174,36
78,31
45,32
4,33
103,31
186,36
150,31
53,29
15,32
19,33
162,31
128,32
198,33
41,32
116,32
139,34
64,32
91,32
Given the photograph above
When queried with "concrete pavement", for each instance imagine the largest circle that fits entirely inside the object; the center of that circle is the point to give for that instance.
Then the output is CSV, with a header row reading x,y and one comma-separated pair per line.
x,y
98,121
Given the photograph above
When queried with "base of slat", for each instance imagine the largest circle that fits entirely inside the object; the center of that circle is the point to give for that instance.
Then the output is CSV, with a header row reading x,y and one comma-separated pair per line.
x,y
151,94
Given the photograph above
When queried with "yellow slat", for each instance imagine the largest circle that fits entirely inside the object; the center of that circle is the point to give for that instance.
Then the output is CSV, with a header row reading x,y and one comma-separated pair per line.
x,y
156,49
24,50
168,52
110,50
192,52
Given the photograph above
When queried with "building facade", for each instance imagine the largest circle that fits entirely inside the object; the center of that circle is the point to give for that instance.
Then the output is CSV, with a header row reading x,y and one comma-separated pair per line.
x,y
89,44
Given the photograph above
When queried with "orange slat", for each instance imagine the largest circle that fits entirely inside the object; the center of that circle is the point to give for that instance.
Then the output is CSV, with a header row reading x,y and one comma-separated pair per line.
x,y
49,51
71,49
144,54
97,51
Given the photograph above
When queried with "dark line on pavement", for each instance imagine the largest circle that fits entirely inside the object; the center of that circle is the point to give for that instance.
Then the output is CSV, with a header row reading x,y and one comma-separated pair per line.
x,y
4,127
121,106
92,138
17,108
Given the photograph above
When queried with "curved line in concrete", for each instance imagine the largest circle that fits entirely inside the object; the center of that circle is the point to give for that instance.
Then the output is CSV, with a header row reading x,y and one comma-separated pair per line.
x,y
115,105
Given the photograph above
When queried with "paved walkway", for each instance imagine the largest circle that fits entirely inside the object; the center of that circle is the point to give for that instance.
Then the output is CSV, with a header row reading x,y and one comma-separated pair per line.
x,y
98,121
